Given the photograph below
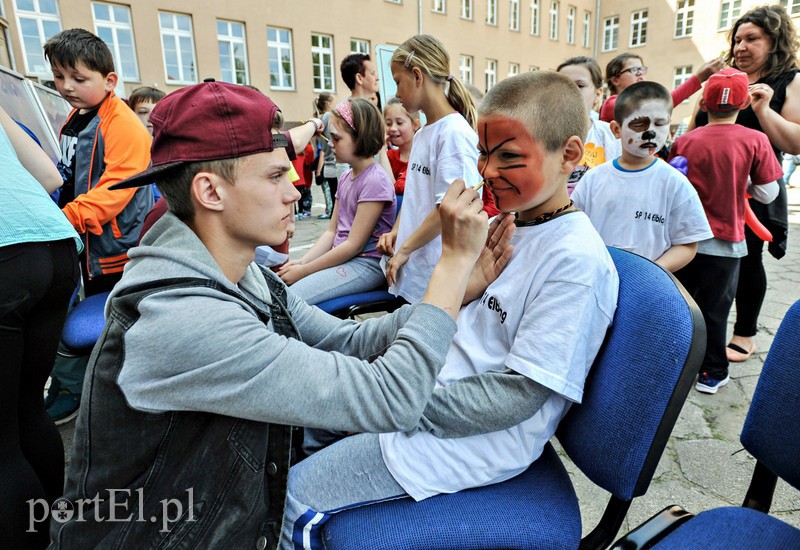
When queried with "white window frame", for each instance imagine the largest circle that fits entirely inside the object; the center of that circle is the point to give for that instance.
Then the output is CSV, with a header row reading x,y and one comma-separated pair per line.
x,y
513,15
439,6
322,70
116,29
680,75
536,27
466,9
175,35
792,6
490,74
513,69
684,19
571,24
32,59
587,29
610,33
465,65
230,41
491,12
359,45
279,47
554,7
729,11
638,28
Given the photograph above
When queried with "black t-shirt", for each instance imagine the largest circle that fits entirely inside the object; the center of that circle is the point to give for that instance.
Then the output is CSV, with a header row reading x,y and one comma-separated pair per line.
x,y
69,141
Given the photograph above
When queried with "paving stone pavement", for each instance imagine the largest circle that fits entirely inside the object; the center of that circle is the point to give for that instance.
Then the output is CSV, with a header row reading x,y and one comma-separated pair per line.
x,y
704,465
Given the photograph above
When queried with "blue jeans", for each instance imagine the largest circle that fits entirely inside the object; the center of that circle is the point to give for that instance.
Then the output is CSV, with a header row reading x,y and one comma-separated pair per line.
x,y
348,474
357,275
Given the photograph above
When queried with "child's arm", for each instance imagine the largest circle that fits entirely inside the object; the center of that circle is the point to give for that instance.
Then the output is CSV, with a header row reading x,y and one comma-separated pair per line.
x,y
387,240
127,152
367,215
31,156
429,229
677,256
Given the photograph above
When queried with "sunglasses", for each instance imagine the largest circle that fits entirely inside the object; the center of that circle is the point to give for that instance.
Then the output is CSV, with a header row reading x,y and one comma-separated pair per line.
x,y
636,71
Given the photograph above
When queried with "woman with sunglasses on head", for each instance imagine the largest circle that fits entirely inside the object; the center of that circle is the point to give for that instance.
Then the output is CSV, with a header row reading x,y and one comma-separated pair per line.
x,y
628,68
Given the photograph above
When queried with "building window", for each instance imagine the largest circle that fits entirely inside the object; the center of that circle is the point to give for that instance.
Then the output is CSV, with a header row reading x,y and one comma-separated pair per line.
x,y
439,6
177,43
513,69
112,23
532,68
466,9
682,74
638,28
513,15
684,18
792,6
491,12
394,1
38,21
610,33
465,68
587,29
571,25
232,52
322,62
359,46
729,12
281,60
535,17
491,74
553,20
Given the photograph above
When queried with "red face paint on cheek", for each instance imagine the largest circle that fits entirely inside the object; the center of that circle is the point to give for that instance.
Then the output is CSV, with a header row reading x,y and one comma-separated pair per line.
x,y
510,162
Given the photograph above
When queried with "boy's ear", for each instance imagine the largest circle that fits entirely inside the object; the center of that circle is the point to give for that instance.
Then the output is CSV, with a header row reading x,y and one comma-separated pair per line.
x,y
572,154
705,109
111,81
615,128
208,191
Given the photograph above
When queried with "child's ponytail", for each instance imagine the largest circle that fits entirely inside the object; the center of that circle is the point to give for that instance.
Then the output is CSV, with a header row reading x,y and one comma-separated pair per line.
x,y
428,54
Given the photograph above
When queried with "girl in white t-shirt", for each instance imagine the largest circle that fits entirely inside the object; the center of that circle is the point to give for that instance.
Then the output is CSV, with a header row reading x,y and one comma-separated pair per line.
x,y
344,260
444,150
600,144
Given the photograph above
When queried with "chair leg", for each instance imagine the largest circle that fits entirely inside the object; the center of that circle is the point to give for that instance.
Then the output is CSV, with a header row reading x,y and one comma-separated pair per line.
x,y
762,488
603,534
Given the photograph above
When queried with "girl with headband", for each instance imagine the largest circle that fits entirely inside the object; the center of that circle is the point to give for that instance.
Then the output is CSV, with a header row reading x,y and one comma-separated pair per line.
x,y
344,260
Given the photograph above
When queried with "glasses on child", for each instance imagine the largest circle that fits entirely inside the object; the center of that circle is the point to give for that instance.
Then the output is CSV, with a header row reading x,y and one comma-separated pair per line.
x,y
635,71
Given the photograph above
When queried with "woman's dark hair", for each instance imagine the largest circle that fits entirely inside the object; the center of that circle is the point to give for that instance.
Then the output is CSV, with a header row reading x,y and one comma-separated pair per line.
x,y
777,25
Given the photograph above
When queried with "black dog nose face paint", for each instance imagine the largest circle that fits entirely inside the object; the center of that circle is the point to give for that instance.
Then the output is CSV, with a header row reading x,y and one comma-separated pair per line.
x,y
644,131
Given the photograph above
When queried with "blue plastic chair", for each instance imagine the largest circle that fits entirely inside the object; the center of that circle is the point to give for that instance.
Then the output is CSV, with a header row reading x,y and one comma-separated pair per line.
x,y
771,434
632,398
373,301
84,324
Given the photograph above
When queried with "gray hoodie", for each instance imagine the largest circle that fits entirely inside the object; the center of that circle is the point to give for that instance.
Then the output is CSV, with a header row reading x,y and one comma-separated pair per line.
x,y
198,349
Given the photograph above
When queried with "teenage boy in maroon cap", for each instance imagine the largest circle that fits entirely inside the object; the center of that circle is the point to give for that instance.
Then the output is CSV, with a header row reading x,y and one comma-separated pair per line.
x,y
206,359
725,161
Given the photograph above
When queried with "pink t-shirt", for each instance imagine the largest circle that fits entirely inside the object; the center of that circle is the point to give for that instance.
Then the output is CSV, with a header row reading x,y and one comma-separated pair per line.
x,y
372,185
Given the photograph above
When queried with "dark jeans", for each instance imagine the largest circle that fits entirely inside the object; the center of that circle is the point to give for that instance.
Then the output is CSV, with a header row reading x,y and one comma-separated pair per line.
x,y
36,282
711,281
752,287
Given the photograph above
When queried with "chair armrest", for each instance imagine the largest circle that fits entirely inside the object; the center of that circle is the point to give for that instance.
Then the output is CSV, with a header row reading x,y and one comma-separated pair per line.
x,y
654,529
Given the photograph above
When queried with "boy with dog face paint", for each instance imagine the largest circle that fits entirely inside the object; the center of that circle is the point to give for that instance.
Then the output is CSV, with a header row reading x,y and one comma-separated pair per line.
x,y
638,202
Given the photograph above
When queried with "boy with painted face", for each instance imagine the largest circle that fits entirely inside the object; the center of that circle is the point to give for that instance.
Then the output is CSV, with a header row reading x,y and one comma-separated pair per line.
x,y
522,350
638,202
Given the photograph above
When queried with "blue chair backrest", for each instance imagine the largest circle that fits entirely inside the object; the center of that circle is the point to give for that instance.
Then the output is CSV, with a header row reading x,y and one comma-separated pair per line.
x,y
638,384
771,430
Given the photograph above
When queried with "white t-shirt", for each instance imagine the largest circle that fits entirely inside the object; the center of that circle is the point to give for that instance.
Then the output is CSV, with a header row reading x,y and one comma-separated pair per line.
x,y
600,147
545,317
644,211
441,152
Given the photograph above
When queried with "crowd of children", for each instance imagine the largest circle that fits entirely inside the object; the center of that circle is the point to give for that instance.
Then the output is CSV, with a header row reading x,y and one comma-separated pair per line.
x,y
559,194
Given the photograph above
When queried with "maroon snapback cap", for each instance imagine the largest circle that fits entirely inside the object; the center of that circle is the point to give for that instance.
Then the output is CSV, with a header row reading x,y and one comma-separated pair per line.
x,y
726,90
208,121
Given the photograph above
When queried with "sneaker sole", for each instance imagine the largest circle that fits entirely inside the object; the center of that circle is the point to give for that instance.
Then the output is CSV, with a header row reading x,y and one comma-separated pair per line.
x,y
67,419
711,390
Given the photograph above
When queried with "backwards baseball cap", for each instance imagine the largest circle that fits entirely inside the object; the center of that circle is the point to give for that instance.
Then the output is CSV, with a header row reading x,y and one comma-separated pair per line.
x,y
208,121
726,90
